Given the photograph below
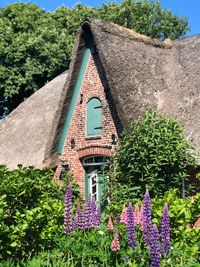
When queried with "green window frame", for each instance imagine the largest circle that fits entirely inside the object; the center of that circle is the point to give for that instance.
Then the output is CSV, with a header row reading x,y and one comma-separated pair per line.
x,y
94,117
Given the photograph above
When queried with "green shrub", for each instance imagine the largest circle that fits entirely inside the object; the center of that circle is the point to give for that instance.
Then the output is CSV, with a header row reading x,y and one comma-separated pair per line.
x,y
183,212
153,154
31,211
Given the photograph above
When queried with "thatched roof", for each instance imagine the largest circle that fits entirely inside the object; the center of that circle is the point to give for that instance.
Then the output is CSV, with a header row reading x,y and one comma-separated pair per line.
x,y
137,72
26,134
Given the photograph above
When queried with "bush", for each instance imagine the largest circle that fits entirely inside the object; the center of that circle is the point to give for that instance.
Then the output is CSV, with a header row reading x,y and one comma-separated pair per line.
x,y
31,211
153,154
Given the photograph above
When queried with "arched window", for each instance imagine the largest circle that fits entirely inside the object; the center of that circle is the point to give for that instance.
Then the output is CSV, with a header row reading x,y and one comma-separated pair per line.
x,y
94,117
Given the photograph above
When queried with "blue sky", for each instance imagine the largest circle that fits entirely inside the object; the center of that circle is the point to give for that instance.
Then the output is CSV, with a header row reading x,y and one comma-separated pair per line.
x,y
187,8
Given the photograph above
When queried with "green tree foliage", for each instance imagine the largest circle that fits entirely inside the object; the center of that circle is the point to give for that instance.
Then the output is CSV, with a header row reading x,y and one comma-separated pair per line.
x,y
153,154
146,17
33,49
36,45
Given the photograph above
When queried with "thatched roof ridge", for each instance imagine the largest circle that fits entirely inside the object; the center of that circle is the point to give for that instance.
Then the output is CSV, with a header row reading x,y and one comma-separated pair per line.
x,y
26,134
116,30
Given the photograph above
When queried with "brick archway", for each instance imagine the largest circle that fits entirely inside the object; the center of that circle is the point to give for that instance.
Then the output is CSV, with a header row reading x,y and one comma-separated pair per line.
x,y
95,150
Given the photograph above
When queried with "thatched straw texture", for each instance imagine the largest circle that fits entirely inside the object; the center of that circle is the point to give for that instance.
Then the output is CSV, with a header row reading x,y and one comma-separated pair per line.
x,y
27,133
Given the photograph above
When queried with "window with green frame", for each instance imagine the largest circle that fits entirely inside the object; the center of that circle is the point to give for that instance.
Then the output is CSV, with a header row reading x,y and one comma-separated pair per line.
x,y
94,117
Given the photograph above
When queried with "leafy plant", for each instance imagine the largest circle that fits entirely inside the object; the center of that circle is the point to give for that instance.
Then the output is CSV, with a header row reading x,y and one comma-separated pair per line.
x,y
153,153
31,211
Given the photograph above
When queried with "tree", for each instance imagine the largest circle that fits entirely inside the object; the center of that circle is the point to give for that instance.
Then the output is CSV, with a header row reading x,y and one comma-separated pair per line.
x,y
146,17
153,154
36,45
33,50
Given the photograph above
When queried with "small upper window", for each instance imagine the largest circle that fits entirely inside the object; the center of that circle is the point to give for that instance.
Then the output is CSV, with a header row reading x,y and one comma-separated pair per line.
x,y
94,117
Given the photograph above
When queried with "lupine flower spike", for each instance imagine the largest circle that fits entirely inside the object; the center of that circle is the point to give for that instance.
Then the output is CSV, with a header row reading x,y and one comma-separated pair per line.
x,y
154,246
98,216
165,231
115,243
68,225
146,216
77,217
110,224
137,215
123,215
88,213
81,220
94,218
130,227
141,216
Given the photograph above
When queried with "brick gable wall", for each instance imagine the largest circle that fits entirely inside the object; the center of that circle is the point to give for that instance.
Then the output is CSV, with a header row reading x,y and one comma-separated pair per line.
x,y
86,146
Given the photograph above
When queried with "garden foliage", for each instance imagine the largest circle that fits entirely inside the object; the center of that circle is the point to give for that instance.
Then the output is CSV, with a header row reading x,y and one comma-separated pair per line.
x,y
155,154
31,211
32,227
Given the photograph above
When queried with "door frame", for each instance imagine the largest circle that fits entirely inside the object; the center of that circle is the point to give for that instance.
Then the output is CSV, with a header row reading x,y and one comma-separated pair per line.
x,y
92,161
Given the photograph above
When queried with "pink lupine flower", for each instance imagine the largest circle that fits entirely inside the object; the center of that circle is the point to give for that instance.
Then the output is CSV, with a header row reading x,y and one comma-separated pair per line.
x,y
123,215
110,224
141,214
115,243
137,215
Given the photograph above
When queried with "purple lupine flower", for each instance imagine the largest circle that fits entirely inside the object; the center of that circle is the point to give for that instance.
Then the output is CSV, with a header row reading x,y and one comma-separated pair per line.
x,y
77,216
88,213
165,231
94,218
98,216
146,216
89,217
81,220
130,227
117,218
91,214
68,225
154,246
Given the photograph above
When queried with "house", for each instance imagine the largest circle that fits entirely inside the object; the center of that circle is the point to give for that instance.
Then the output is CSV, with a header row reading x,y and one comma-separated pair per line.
x,y
75,120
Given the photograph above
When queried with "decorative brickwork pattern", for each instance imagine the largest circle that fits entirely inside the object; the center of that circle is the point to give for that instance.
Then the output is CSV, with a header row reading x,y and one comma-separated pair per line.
x,y
85,146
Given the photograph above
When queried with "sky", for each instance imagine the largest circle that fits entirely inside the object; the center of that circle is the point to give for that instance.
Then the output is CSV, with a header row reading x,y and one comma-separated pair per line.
x,y
187,8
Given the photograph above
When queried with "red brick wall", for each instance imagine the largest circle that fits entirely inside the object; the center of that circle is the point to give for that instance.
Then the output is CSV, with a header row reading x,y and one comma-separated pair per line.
x,y
84,146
